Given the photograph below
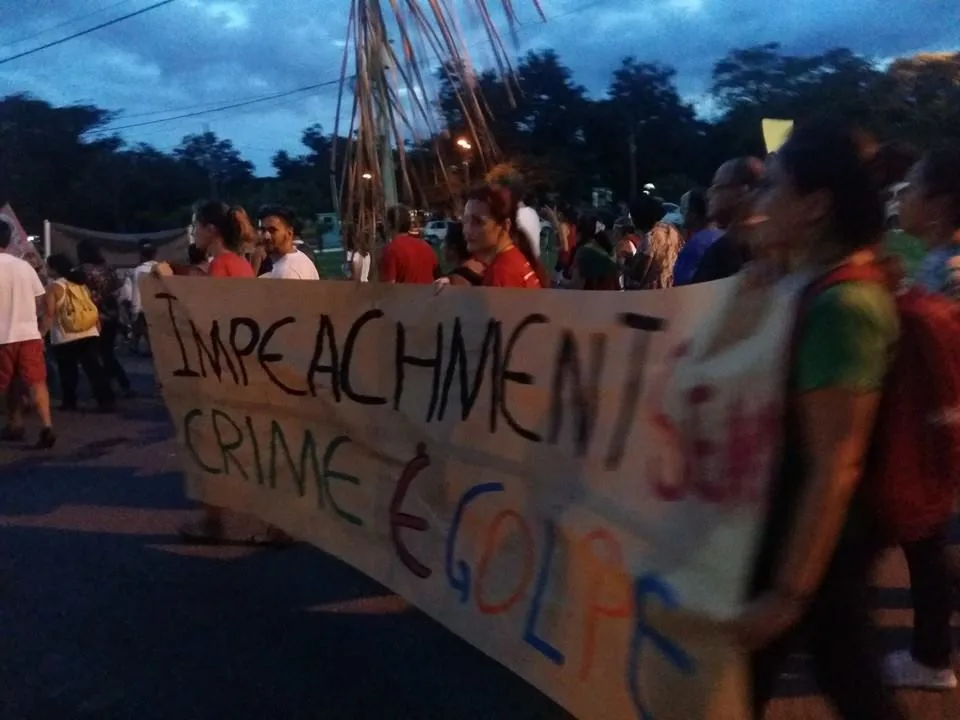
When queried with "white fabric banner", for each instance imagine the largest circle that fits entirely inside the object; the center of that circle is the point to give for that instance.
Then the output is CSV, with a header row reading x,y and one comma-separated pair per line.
x,y
558,477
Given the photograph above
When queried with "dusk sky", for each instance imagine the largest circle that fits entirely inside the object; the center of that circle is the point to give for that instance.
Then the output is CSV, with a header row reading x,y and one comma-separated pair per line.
x,y
193,55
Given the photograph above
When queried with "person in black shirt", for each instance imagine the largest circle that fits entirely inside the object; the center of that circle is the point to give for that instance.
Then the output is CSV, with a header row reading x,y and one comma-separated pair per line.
x,y
730,205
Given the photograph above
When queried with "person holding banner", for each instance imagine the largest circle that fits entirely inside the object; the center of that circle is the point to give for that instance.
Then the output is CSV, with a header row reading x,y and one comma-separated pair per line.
x,y
219,231
490,225
820,540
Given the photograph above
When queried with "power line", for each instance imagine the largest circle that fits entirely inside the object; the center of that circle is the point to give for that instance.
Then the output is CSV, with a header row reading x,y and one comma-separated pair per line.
x,y
262,98
232,106
102,25
70,21
197,106
180,124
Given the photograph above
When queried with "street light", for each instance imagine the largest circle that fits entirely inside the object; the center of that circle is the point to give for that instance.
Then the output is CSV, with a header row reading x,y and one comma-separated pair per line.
x,y
466,147
367,176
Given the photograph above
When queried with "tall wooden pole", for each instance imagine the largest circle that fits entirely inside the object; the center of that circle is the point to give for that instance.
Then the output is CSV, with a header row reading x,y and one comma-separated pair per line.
x,y
383,91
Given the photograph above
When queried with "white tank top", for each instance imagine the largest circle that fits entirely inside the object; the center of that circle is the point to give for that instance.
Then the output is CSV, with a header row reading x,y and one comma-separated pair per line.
x,y
59,336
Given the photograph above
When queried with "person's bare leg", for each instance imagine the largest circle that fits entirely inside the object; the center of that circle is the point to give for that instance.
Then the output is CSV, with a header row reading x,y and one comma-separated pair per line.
x,y
41,402
14,410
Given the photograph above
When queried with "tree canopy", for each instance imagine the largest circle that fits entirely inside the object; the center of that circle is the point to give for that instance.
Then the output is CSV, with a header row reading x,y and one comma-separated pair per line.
x,y
63,164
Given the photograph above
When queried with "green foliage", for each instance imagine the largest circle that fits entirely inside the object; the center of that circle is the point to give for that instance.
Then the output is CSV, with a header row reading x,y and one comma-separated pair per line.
x,y
59,163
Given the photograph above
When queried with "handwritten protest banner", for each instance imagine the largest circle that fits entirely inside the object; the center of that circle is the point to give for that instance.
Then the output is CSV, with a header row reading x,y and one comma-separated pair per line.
x,y
500,458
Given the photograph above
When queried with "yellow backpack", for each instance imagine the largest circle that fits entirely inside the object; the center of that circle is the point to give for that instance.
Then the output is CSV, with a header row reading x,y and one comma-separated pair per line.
x,y
77,313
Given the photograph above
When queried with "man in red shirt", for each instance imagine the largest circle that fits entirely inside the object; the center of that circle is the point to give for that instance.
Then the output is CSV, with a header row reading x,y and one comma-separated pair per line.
x,y
406,259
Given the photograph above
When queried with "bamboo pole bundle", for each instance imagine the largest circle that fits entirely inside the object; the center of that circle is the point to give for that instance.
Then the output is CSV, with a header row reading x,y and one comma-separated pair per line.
x,y
385,74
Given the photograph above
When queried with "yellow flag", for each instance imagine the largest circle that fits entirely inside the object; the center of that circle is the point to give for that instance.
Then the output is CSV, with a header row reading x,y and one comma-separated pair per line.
x,y
775,133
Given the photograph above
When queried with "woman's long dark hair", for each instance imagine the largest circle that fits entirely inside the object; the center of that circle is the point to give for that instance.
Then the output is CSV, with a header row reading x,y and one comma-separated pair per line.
x,y
231,222
502,205
829,157
63,266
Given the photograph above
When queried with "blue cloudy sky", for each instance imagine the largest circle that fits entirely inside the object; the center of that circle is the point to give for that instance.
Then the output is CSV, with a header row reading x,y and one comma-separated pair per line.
x,y
192,55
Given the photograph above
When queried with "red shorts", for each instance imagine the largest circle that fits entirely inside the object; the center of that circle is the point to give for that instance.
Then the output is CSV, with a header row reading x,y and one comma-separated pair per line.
x,y
24,361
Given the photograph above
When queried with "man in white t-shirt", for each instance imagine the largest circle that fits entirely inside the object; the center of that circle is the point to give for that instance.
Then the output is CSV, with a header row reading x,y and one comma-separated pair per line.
x,y
277,228
21,344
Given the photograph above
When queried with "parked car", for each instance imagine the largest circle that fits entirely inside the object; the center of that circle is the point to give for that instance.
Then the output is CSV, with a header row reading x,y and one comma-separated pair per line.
x,y
435,231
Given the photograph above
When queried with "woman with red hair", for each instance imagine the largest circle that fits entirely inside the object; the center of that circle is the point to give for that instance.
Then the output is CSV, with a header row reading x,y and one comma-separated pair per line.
x,y
489,223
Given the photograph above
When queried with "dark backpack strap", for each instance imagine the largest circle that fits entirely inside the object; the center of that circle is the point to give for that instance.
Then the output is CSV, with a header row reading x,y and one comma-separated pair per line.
x,y
863,272
471,276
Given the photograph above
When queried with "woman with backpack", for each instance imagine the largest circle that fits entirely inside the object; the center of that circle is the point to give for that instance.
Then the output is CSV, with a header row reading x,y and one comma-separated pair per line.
x,y
930,211
819,537
74,325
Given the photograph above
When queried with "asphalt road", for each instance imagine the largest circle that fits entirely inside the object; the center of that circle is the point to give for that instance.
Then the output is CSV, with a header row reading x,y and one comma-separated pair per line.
x,y
104,614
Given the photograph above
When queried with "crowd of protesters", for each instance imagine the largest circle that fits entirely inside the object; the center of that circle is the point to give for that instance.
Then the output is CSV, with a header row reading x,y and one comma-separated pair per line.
x,y
815,207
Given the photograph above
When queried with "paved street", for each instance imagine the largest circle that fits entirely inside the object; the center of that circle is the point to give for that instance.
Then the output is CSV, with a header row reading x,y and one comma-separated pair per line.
x,y
104,614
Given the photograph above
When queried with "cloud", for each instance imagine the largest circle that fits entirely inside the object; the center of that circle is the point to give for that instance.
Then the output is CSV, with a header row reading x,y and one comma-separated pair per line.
x,y
199,54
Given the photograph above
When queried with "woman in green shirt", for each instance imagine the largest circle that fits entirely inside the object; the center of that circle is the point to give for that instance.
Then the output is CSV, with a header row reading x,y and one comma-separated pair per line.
x,y
819,542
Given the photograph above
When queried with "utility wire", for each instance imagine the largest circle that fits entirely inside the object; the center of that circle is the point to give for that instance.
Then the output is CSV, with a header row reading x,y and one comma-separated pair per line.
x,y
123,116
262,98
219,109
70,21
76,35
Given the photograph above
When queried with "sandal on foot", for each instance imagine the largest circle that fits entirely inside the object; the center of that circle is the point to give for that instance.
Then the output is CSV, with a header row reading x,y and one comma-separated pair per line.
x,y
47,439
